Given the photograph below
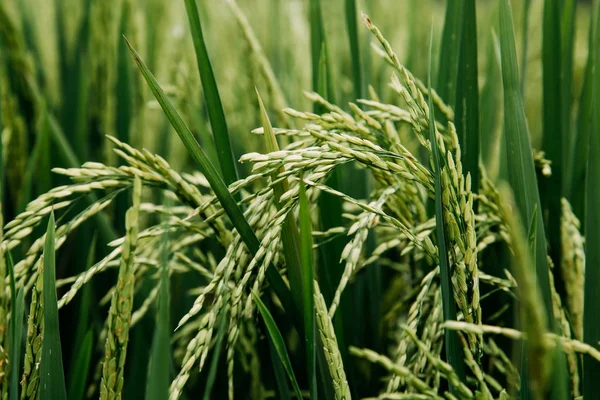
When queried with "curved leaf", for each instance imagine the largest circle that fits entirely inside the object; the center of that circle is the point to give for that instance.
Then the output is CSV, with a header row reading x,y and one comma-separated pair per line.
x,y
278,343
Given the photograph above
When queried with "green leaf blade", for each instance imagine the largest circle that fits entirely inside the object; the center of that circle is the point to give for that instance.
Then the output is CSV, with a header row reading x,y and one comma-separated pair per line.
x,y
522,175
521,171
491,108
278,343
213,100
524,43
567,41
52,378
579,155
449,53
316,39
81,367
534,359
467,94
553,139
353,38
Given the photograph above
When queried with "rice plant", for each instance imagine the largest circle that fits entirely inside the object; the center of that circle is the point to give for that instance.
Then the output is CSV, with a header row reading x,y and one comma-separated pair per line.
x,y
262,199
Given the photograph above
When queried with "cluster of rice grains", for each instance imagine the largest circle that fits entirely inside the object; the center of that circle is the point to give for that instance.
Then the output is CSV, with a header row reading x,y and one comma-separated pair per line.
x,y
376,137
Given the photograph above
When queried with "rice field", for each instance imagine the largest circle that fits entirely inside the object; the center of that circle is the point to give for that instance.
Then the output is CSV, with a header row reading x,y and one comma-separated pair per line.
x,y
334,199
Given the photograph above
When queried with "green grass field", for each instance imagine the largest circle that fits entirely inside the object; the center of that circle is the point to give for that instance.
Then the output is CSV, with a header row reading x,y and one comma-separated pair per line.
x,y
334,199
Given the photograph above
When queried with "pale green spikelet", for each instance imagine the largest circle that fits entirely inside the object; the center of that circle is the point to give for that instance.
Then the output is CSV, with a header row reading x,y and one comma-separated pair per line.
x,y
30,380
565,327
415,382
330,346
119,317
573,260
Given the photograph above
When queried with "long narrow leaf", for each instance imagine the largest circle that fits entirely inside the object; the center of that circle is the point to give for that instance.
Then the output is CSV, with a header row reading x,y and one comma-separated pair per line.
x,y
81,367
283,391
316,39
490,112
52,378
213,100
579,155
278,342
467,94
351,25
521,171
449,53
567,42
533,319
524,43
553,145
125,111
225,198
321,70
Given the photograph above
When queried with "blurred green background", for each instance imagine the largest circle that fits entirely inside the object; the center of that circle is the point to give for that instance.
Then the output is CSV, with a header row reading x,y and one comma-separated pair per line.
x,y
67,80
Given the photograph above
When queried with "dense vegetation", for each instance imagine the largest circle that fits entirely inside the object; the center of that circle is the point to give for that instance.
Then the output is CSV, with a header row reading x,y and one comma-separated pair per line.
x,y
321,199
